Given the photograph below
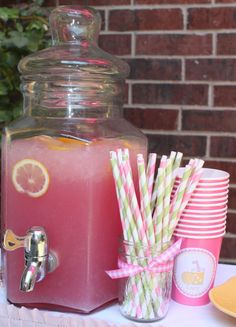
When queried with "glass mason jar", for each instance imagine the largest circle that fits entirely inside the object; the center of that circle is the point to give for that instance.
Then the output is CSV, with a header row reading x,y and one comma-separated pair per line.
x,y
145,295
58,198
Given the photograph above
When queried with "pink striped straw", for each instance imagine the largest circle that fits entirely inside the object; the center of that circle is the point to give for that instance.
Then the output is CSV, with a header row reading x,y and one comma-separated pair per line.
x,y
113,156
194,179
145,200
119,156
134,202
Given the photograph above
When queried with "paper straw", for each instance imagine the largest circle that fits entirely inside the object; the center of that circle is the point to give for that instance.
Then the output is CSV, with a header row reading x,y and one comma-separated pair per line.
x,y
132,235
154,194
151,172
177,199
130,228
190,188
134,203
158,212
168,188
153,219
176,166
145,199
135,209
172,157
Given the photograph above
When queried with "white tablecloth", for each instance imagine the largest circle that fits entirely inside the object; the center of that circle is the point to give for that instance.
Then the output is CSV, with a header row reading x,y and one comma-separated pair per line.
x,y
178,315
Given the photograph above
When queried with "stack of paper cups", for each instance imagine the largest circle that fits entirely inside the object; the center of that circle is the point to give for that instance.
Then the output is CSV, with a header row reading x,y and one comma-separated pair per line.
x,y
201,227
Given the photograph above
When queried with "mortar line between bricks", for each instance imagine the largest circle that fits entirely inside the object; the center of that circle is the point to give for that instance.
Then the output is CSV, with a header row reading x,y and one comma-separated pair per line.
x,y
185,18
179,121
183,70
106,20
210,96
214,49
208,141
231,210
165,6
177,106
133,44
174,57
187,82
129,94
191,132
230,235
181,32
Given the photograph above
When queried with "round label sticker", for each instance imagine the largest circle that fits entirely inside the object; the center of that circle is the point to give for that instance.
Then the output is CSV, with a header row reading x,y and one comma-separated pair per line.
x,y
194,271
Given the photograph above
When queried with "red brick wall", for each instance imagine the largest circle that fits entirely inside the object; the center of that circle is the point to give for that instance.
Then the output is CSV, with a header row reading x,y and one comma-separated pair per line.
x,y
182,87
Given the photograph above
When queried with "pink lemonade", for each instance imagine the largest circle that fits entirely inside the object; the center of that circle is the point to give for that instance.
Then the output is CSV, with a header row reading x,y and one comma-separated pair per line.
x,y
78,209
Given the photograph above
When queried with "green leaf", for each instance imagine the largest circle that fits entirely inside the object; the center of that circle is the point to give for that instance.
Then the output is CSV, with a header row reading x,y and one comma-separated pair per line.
x,y
3,88
19,27
23,30
18,39
37,25
11,59
34,40
17,110
8,13
5,115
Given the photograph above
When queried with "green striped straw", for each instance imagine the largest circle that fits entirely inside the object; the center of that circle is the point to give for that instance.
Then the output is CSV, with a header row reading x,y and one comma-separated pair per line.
x,y
132,235
135,209
144,195
177,161
172,157
154,193
145,199
126,231
168,189
133,201
177,200
158,212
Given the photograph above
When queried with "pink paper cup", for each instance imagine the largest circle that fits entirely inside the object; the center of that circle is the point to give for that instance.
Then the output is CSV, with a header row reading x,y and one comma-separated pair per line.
x,y
204,212
197,196
208,186
204,216
201,191
190,227
200,222
206,206
201,232
209,175
208,201
195,269
200,237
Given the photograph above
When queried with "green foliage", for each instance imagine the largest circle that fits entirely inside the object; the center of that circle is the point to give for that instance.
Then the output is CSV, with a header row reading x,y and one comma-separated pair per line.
x,y
23,30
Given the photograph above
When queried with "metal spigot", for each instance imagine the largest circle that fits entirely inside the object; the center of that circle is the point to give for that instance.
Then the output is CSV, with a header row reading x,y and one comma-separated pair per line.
x,y
38,261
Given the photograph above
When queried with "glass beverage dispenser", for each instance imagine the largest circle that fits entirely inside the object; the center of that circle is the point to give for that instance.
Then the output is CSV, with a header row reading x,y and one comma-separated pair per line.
x,y
60,216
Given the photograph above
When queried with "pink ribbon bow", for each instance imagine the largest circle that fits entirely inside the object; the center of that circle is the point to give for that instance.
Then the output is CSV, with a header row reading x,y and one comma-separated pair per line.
x,y
163,263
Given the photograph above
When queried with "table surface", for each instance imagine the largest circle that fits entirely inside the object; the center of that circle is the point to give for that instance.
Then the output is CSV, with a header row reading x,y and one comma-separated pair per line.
x,y
178,315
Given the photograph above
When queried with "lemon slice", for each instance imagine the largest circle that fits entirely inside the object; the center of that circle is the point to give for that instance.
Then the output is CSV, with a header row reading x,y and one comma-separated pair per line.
x,y
31,177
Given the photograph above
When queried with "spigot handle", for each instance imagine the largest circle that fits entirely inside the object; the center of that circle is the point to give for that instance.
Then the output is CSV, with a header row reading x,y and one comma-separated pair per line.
x,y
12,242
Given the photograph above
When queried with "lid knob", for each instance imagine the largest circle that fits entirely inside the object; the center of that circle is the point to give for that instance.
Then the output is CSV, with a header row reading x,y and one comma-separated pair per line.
x,y
73,24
